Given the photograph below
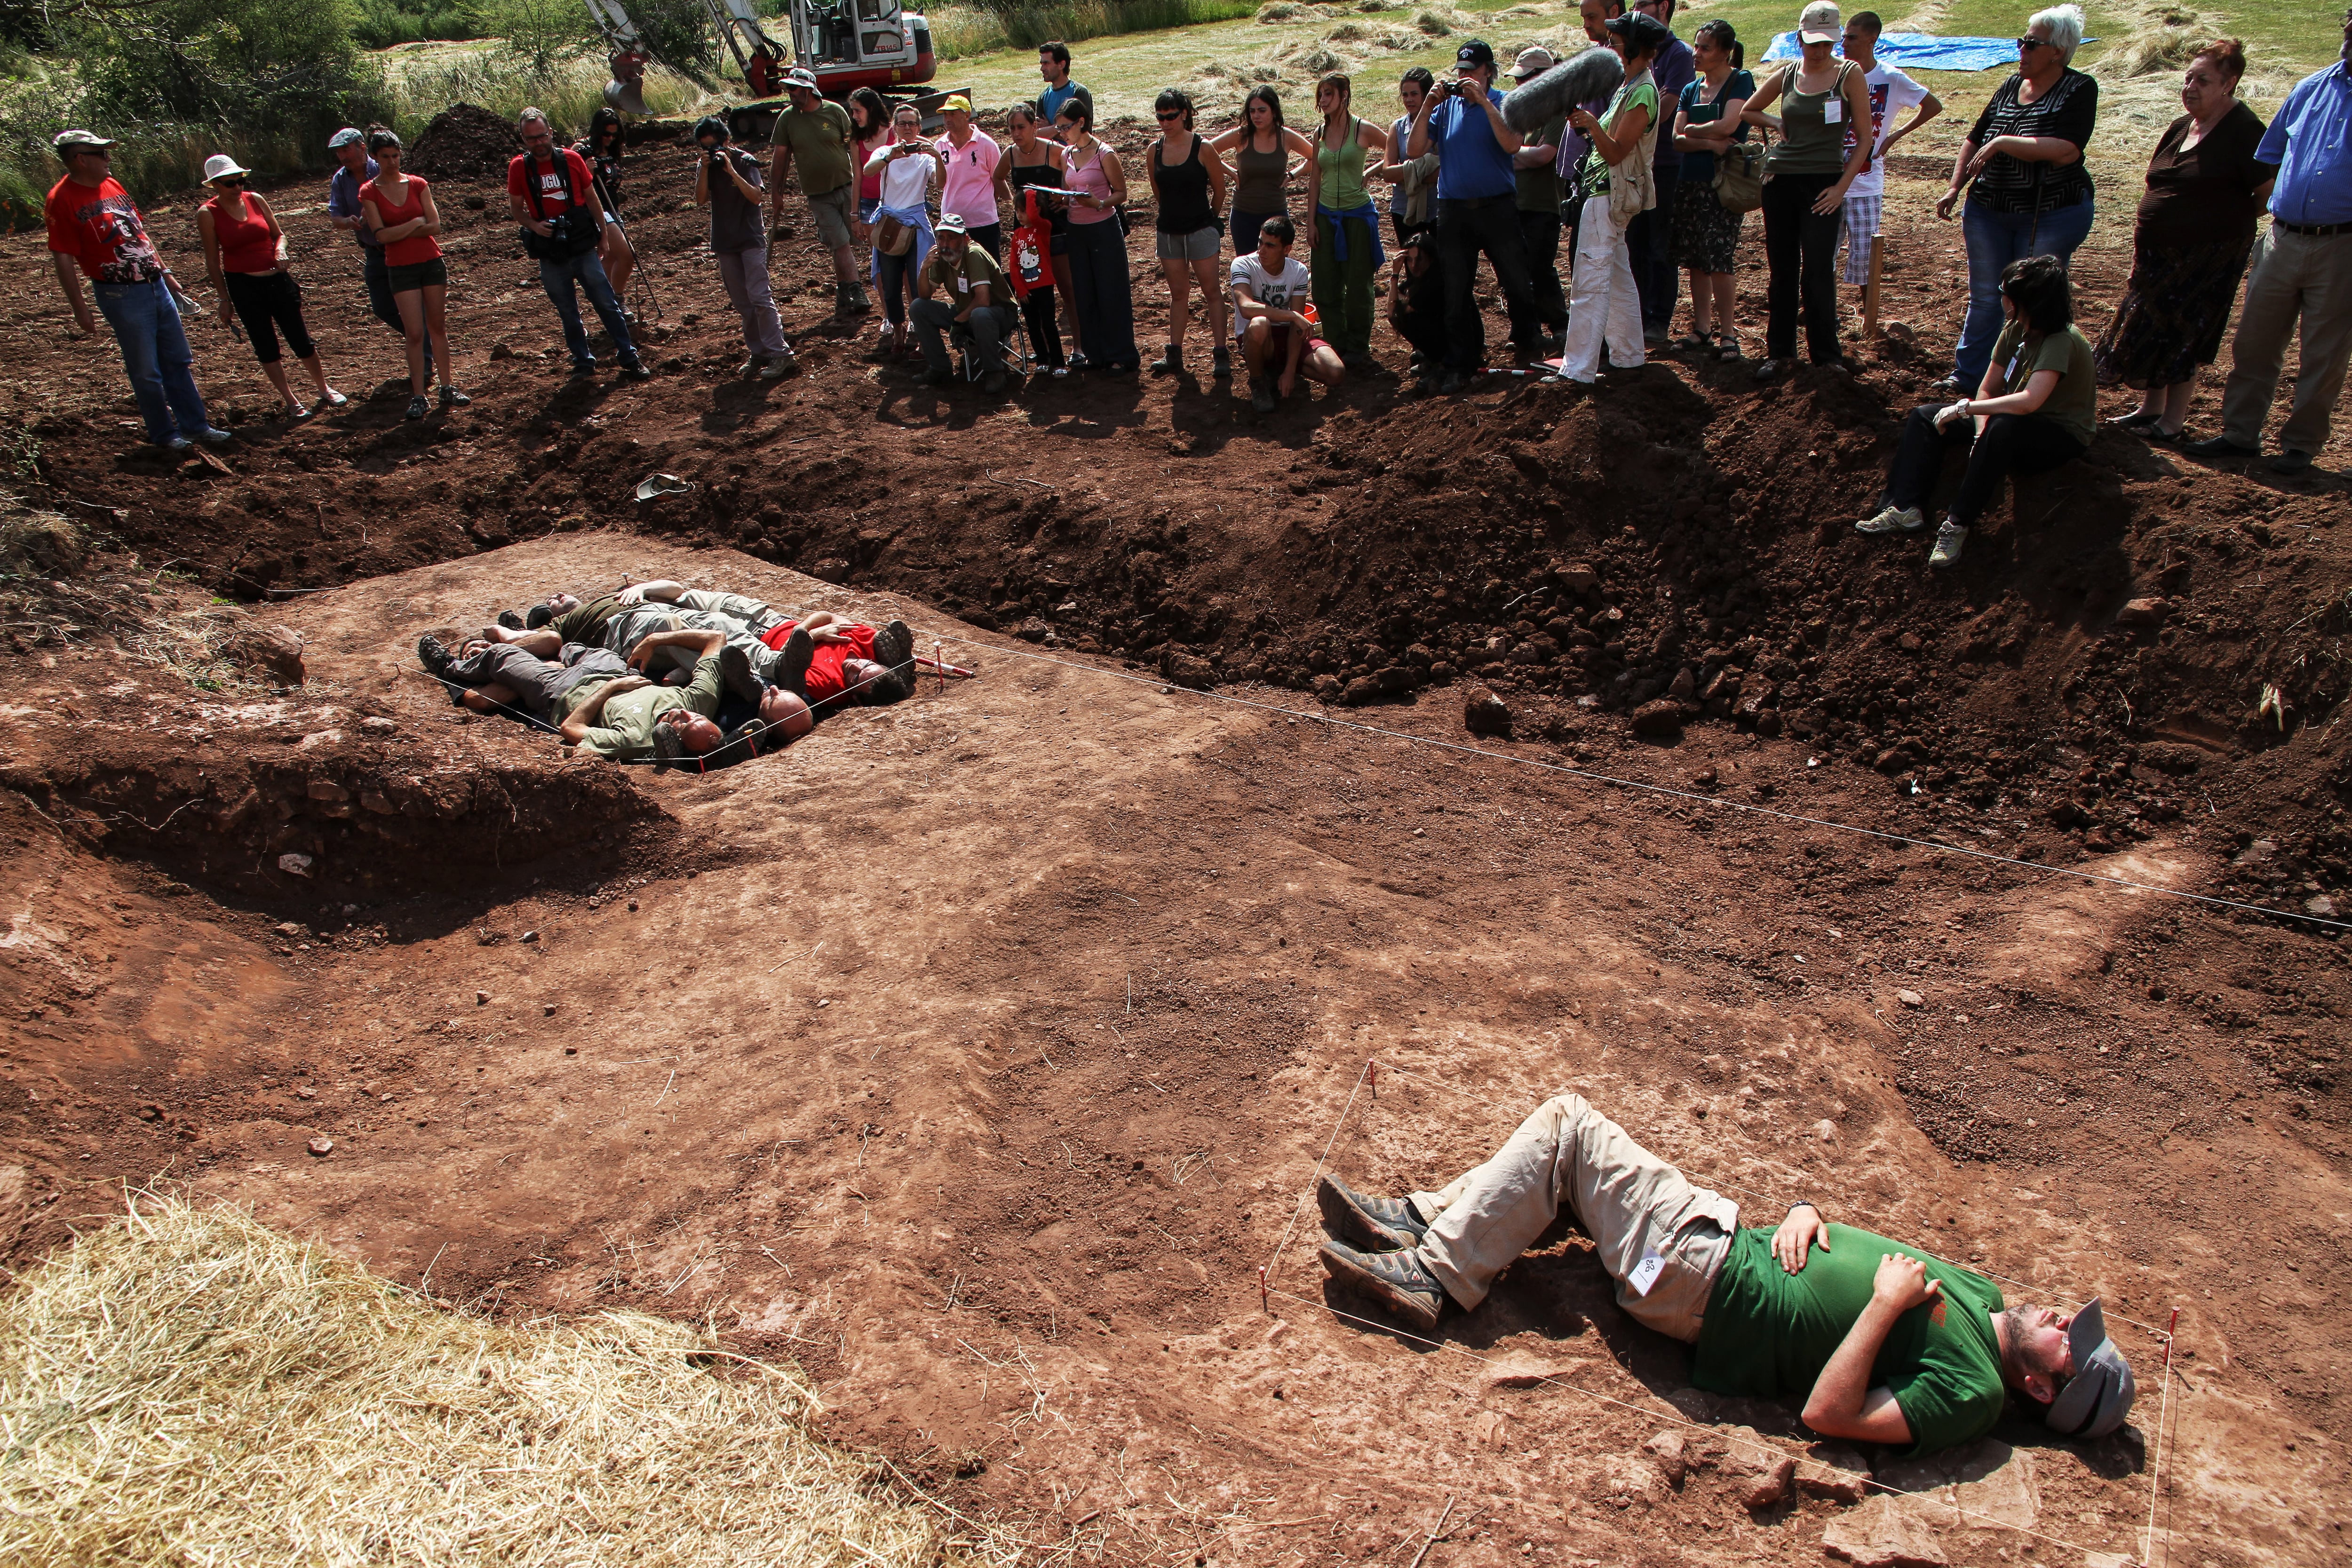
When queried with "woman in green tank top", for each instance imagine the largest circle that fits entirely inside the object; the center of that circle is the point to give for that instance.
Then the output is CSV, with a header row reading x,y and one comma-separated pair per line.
x,y
1346,225
1262,148
1805,177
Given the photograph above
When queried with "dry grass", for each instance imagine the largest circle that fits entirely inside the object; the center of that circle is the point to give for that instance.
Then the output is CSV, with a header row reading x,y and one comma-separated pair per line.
x,y
188,1386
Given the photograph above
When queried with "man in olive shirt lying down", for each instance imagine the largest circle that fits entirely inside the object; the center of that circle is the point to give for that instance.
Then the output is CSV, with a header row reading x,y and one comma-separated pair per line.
x,y
1887,1344
627,717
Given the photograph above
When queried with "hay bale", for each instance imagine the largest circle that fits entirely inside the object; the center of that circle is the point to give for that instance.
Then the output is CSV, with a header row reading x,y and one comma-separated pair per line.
x,y
188,1385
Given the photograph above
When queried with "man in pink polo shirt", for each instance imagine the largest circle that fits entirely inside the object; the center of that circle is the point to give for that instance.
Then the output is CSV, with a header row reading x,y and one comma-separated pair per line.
x,y
970,192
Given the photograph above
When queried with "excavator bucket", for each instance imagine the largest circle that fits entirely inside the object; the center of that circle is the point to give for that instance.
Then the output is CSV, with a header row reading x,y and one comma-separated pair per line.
x,y
628,97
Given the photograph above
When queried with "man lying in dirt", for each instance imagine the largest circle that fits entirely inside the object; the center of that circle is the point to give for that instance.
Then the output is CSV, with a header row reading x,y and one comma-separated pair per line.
x,y
607,621
627,717
487,677
830,661
1887,1344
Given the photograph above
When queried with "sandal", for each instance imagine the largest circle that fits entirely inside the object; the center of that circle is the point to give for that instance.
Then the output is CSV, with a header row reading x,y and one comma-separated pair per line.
x,y
1690,341
1727,347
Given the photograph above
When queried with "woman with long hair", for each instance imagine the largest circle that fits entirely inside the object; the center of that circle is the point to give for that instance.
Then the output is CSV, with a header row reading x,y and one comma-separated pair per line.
x,y
244,254
1604,306
1101,294
1413,204
869,132
1262,149
2189,248
907,167
601,151
1030,159
1346,251
1188,183
400,214
1706,232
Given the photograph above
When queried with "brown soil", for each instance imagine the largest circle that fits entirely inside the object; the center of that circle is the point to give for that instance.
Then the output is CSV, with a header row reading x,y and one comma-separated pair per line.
x,y
1098,962
465,142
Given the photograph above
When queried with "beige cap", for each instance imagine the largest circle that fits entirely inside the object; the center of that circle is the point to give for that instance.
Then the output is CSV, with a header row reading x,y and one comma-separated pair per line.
x,y
1819,22
1534,60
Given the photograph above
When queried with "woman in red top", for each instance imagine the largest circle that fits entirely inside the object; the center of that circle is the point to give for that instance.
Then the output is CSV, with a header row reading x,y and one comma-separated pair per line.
x,y
245,255
399,211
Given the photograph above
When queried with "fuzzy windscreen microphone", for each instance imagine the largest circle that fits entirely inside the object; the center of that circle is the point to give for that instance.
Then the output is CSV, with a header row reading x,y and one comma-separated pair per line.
x,y
1593,74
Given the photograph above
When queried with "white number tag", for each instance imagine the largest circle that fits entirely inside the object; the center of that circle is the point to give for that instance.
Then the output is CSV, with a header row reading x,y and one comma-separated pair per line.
x,y
1645,1273
1832,111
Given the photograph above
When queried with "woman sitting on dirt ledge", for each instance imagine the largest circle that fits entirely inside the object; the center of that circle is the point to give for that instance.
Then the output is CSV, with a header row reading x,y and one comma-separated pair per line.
x,y
1888,1345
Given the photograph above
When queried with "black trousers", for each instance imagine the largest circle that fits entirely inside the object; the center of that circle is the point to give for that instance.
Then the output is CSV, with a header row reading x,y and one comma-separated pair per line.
x,y
2012,444
268,303
1045,339
1466,228
1549,300
1801,248
1650,251
989,236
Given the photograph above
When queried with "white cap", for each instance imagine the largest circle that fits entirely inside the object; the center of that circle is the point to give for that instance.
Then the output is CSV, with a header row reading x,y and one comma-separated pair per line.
x,y
1819,22
1534,60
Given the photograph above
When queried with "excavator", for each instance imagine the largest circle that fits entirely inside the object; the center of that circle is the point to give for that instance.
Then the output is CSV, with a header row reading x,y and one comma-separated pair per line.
x,y
848,44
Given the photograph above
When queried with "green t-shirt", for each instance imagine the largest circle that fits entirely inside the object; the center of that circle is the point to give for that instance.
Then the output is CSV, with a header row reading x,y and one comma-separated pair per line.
x,y
585,622
978,267
820,145
1768,1334
626,727
1596,168
2073,404
1540,186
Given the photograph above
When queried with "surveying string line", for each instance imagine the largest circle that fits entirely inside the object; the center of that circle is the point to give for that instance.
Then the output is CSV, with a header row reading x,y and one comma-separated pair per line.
x,y
2153,1332
1669,791
2164,1412
1264,1274
1675,1419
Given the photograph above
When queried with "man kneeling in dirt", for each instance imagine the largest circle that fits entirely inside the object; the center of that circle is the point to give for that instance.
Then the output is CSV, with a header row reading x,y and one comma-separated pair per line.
x,y
1887,1344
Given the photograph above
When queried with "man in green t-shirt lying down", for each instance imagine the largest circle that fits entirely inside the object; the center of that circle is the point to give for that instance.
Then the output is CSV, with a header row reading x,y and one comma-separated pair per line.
x,y
1887,1344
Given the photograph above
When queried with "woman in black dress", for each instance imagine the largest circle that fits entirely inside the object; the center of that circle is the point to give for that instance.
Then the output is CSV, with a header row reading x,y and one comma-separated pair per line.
x,y
2189,253
601,151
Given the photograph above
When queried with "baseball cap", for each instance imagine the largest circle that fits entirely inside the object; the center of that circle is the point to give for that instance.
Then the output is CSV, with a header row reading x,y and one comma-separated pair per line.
x,y
67,141
956,101
952,223
1818,23
1474,53
344,138
2099,1395
801,76
1534,60
540,613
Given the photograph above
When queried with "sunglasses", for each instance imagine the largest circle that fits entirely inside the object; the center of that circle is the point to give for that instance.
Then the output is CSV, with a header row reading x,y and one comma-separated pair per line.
x,y
2027,46
1172,114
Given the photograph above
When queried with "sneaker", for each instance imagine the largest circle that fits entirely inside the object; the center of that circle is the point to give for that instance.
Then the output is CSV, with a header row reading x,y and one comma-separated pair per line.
x,y
1424,386
635,370
509,620
1452,382
1220,364
1768,369
1169,364
1058,372
1397,1282
582,368
330,398
1893,520
735,673
893,645
453,398
783,365
1950,540
1375,1225
2220,447
178,446
417,407
1359,365
1262,398
212,438
791,668
435,657
1077,363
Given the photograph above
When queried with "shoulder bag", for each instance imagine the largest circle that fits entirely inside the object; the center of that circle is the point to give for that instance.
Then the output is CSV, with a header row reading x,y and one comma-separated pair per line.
x,y
1740,173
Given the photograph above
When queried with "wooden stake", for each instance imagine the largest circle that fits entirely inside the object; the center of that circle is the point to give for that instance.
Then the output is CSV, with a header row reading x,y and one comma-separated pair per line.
x,y
1870,289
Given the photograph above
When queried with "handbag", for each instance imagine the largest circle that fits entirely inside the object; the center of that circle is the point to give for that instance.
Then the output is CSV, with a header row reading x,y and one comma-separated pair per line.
x,y
1739,176
892,237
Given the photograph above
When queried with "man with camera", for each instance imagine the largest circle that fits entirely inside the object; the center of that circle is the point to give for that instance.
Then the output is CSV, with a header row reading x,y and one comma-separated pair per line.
x,y
727,180
549,191
1478,206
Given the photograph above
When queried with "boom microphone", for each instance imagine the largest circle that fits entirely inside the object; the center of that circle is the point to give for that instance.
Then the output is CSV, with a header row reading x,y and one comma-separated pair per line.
x,y
1595,73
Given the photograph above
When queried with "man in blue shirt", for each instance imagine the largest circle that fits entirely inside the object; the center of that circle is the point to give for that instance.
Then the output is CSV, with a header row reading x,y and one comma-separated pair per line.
x,y
1054,65
1649,238
349,148
2302,268
1478,208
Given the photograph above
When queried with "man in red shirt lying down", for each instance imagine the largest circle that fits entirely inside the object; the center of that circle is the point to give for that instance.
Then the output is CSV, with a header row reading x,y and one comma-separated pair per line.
x,y
828,660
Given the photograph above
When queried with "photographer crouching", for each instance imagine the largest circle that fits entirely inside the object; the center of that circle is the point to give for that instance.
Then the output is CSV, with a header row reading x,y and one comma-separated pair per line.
x,y
549,194
727,180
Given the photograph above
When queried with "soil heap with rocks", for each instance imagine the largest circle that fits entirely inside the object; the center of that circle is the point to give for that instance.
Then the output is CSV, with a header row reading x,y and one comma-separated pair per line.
x,y
465,141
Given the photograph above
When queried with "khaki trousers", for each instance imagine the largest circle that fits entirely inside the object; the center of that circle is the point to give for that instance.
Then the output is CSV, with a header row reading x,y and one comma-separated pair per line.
x,y
1629,1202
2292,274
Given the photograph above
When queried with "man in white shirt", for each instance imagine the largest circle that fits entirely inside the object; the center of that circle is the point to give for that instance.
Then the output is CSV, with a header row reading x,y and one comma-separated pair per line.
x,y
1892,92
1277,340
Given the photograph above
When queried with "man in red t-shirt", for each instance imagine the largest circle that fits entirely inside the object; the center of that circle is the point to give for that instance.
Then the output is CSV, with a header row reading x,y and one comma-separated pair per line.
x,y
828,660
544,184
94,225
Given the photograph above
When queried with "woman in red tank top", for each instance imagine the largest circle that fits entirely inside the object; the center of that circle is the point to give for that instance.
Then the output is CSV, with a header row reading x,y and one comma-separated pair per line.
x,y
398,210
244,254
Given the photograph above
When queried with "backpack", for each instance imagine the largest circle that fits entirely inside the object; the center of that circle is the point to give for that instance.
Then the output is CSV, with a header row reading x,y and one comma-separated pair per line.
x,y
576,228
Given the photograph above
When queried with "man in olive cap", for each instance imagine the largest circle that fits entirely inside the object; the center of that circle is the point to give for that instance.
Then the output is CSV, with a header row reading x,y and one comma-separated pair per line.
x,y
814,132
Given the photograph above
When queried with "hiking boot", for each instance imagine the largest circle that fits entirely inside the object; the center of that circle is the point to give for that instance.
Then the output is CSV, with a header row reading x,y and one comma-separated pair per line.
x,y
435,657
212,438
1362,1220
1262,398
1170,363
669,751
1397,1282
453,398
735,673
1892,519
1424,386
1221,364
634,369
791,668
780,366
894,646
509,620
1359,364
1950,540
417,407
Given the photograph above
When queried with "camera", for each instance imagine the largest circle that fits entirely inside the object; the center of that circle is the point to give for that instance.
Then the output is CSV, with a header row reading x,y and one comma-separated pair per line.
x,y
1446,88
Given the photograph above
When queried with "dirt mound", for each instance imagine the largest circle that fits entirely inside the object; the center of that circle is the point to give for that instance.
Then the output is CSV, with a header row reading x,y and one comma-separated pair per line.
x,y
465,141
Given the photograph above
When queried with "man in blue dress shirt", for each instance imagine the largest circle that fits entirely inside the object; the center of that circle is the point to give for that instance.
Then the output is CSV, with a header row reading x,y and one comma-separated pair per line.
x,y
2302,268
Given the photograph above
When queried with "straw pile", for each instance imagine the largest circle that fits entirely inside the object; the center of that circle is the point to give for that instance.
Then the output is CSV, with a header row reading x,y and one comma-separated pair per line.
x,y
187,1387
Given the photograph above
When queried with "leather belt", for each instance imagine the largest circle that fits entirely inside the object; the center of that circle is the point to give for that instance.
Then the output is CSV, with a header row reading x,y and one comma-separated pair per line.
x,y
2313,230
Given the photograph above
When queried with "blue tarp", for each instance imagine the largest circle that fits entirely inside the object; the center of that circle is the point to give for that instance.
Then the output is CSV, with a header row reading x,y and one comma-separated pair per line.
x,y
1926,52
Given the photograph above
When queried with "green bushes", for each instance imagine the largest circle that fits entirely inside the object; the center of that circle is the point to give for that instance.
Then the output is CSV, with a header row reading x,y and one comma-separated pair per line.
x,y
381,24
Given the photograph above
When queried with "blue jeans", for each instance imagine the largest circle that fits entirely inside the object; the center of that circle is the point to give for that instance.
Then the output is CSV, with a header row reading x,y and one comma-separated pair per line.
x,y
1994,240
557,278
155,354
